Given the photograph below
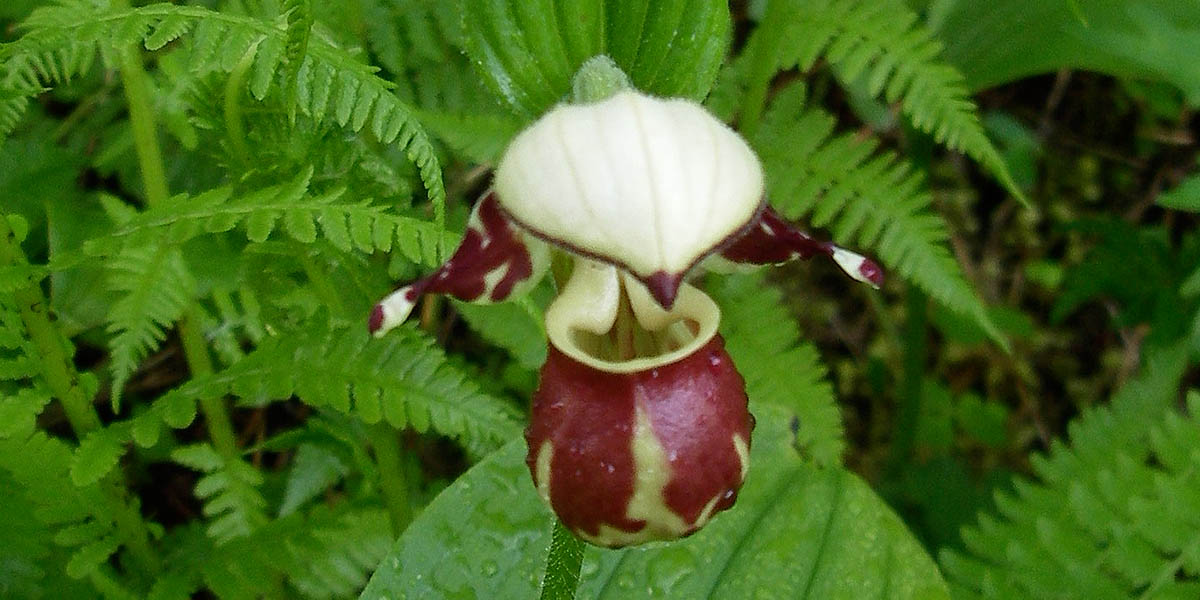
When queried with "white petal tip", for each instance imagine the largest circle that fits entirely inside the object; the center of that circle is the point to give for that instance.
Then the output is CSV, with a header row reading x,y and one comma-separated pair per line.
x,y
390,312
858,267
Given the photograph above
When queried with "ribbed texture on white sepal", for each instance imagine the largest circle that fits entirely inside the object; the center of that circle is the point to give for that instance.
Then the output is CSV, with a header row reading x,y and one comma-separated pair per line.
x,y
647,183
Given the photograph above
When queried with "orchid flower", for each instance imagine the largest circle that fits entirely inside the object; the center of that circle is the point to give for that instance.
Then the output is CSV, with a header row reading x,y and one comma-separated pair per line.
x,y
639,428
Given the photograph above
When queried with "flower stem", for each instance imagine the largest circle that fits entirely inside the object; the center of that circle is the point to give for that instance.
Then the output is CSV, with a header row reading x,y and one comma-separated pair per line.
x,y
392,482
154,180
562,565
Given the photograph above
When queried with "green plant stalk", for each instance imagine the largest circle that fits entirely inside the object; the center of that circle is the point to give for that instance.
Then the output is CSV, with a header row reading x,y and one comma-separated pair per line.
x,y
216,415
56,367
915,349
392,482
141,119
562,565
154,180
63,380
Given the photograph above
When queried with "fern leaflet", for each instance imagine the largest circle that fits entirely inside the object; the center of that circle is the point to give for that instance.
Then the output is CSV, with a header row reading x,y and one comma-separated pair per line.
x,y
330,84
403,378
156,286
1114,515
779,368
229,489
358,226
884,44
872,200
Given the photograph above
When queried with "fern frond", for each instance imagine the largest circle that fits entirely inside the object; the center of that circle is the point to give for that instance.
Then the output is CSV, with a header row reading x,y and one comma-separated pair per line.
x,y
229,489
11,110
1114,515
40,465
517,325
360,226
19,411
327,553
778,367
155,287
884,44
314,469
867,199
31,563
403,378
62,41
299,29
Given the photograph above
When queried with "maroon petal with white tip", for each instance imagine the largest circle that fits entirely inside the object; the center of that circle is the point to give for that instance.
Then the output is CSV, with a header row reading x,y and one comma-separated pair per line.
x,y
774,241
494,261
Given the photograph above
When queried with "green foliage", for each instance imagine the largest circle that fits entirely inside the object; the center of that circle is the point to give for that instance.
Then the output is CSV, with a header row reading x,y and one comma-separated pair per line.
x,y
76,514
527,52
866,198
863,549
402,379
348,226
997,42
1115,510
882,44
155,286
762,353
62,42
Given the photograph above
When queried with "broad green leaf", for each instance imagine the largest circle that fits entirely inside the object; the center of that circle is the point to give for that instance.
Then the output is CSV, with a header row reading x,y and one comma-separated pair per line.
x,y
528,50
797,530
996,42
1185,196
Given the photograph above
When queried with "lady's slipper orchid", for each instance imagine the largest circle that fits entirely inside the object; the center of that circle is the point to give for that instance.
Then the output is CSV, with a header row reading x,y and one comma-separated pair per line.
x,y
639,428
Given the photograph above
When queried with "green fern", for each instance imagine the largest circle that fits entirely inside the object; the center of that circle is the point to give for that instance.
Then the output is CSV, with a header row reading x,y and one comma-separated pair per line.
x,y
62,41
779,368
404,379
884,44
517,325
229,489
867,199
40,465
360,226
155,286
326,553
1114,515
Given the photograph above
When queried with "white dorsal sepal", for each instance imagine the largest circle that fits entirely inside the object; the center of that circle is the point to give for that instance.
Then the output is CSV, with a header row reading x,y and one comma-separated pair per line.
x,y
650,184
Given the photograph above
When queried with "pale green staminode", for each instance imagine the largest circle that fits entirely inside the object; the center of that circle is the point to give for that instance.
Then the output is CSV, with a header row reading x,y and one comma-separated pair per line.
x,y
599,78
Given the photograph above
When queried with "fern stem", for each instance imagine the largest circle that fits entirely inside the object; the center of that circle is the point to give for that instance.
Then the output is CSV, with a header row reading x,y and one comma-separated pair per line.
x,y
141,120
216,415
54,361
54,357
562,565
150,160
392,482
